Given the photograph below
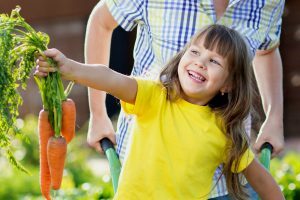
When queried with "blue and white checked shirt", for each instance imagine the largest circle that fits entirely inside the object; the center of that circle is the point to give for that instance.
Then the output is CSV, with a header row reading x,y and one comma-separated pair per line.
x,y
165,26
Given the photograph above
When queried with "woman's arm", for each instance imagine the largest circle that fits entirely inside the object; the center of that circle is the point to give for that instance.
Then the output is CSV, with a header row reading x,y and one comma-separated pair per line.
x,y
262,182
268,72
97,49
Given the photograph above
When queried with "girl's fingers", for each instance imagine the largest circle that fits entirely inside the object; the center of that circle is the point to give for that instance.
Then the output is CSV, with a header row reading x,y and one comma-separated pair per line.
x,y
40,74
41,58
53,53
50,53
45,67
43,64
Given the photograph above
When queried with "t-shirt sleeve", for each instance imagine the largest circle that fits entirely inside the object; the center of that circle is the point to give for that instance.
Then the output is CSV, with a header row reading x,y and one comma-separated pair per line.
x,y
147,94
128,13
272,38
245,161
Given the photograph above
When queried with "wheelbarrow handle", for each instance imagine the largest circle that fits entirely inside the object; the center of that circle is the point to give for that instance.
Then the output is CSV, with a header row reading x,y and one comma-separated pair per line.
x,y
105,144
113,161
265,155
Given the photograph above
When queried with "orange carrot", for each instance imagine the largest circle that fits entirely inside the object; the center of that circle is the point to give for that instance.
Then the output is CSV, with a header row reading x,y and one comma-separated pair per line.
x,y
68,119
57,150
45,132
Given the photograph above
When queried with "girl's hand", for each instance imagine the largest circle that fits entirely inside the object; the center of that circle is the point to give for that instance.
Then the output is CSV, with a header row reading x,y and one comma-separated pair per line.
x,y
43,67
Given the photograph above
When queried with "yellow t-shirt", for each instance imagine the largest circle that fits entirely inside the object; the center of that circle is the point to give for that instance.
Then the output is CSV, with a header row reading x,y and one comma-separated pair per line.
x,y
175,148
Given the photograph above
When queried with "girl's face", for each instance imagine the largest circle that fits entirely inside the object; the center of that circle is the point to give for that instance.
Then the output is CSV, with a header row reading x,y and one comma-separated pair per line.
x,y
202,74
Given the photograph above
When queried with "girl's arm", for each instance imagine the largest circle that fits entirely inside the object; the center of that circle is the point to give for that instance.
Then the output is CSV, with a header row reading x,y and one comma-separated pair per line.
x,y
262,182
103,78
95,76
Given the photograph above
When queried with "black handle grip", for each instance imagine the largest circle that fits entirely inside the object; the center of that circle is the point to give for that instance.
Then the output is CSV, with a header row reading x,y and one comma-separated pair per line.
x,y
105,144
267,145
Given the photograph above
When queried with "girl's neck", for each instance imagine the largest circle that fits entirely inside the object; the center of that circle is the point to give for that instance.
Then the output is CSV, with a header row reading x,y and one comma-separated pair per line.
x,y
199,102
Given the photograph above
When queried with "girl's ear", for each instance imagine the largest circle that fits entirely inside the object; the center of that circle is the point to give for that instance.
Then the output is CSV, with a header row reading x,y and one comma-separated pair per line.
x,y
226,89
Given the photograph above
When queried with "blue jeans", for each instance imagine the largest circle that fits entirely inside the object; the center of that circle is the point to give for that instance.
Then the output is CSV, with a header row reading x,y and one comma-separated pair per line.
x,y
252,193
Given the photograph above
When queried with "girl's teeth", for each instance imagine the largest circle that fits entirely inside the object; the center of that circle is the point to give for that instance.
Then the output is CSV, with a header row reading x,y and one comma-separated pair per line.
x,y
196,76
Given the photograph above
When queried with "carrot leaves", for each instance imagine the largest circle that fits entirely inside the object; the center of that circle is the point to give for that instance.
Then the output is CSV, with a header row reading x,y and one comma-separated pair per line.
x,y
19,46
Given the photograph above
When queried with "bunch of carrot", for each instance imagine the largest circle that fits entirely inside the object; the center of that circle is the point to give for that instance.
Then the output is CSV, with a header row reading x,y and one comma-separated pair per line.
x,y
56,129
57,119
53,148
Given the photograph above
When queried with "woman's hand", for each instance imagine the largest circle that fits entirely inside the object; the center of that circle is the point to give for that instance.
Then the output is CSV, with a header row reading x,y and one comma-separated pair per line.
x,y
100,127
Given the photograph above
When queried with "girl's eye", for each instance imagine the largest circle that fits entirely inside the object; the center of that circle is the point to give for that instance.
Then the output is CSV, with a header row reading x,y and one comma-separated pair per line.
x,y
214,61
195,52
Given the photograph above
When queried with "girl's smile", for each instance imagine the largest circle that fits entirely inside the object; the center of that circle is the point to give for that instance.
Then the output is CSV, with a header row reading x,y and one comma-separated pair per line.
x,y
196,76
202,74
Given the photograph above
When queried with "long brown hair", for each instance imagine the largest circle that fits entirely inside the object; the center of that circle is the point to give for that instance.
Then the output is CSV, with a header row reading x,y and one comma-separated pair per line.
x,y
233,107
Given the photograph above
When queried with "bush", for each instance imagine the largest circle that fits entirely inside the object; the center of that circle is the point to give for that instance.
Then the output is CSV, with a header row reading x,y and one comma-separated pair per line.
x,y
79,180
286,172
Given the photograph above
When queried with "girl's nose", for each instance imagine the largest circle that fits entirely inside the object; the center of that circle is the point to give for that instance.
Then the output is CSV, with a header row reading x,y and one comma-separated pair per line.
x,y
200,64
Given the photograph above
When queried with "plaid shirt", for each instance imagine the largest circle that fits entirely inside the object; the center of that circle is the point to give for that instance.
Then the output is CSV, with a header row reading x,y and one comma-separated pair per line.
x,y
165,26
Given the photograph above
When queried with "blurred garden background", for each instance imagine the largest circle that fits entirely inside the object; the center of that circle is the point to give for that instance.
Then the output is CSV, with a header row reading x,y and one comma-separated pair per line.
x,y
86,174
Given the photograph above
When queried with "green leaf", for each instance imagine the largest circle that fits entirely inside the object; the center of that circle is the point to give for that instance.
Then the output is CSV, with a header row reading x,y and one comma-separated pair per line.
x,y
19,44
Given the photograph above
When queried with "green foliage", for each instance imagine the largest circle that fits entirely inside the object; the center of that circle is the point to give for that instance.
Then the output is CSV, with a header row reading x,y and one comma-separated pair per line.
x,y
286,172
10,98
79,181
19,46
15,183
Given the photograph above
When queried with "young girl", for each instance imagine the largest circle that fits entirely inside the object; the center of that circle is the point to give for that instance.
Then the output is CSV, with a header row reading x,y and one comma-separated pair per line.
x,y
192,119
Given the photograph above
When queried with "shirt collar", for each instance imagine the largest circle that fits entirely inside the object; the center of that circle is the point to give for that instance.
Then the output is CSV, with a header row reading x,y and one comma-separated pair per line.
x,y
210,2
232,2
